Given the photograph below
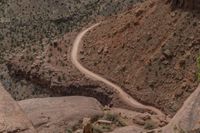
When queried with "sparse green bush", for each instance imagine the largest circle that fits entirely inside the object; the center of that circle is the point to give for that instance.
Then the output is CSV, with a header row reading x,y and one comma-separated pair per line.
x,y
97,129
111,117
115,119
106,127
1,37
178,129
101,128
149,125
69,131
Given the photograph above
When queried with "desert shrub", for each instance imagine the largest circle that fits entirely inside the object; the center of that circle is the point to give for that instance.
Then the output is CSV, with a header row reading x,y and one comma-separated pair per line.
x,y
178,129
101,128
1,37
115,119
106,127
69,131
149,125
97,129
111,117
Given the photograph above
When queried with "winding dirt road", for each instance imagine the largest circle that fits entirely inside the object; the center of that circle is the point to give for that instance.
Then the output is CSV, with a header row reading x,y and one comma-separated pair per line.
x,y
122,94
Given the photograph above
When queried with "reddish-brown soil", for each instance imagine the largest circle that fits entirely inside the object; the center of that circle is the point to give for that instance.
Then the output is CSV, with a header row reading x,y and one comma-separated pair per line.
x,y
53,71
150,51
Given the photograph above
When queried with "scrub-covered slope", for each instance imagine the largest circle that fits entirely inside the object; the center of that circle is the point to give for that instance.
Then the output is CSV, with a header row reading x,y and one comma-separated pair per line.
x,y
27,27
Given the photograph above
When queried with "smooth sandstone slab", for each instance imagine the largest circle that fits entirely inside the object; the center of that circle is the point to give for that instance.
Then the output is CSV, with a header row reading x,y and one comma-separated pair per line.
x,y
187,118
56,115
12,118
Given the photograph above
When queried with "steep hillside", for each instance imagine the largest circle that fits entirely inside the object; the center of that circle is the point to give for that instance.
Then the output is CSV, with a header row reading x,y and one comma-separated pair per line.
x,y
150,51
25,22
29,26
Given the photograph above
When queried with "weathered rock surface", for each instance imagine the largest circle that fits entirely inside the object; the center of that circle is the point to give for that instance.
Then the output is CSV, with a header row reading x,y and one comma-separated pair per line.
x,y
12,118
58,114
187,120
188,117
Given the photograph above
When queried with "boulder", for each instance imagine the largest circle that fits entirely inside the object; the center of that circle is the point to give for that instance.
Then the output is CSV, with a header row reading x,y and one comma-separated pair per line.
x,y
188,117
59,114
12,118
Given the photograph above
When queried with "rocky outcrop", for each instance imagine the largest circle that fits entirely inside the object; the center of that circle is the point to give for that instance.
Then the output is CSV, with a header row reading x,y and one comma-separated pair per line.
x,y
188,117
185,121
45,114
12,118
58,114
